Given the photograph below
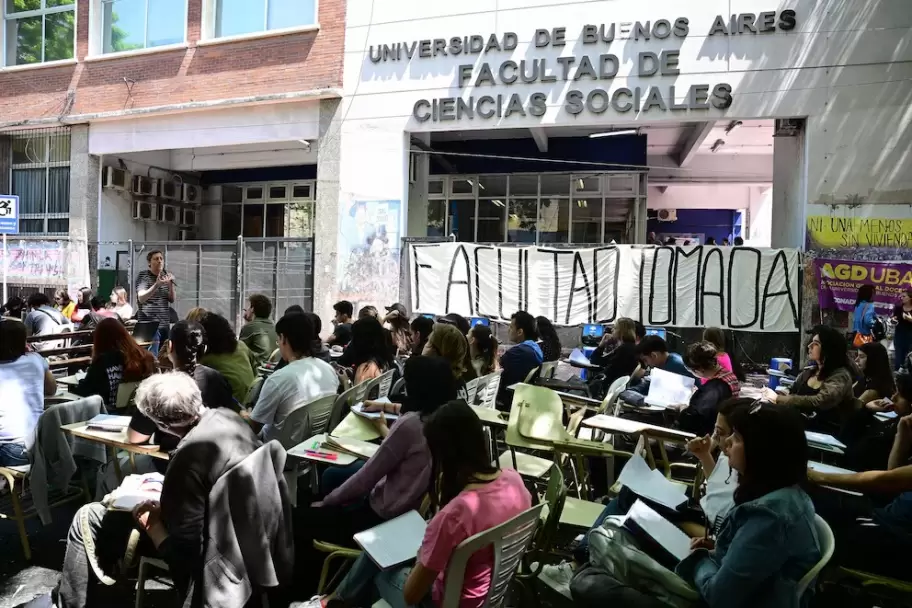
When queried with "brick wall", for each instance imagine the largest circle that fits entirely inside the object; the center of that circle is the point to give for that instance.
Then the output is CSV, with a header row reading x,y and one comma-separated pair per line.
x,y
276,64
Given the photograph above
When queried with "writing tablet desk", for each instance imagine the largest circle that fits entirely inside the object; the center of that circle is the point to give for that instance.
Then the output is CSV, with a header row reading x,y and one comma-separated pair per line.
x,y
113,441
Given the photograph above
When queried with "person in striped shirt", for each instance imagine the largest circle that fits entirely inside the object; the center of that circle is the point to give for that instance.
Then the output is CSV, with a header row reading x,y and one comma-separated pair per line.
x,y
154,296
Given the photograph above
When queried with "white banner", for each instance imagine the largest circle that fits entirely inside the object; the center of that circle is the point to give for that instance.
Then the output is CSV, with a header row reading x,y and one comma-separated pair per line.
x,y
738,288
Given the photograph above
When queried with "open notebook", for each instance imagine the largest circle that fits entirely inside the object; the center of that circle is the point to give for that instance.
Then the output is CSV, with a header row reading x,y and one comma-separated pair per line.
x,y
354,447
666,388
393,542
651,484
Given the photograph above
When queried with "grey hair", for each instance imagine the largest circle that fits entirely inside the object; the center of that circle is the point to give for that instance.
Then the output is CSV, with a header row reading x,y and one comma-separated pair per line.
x,y
170,400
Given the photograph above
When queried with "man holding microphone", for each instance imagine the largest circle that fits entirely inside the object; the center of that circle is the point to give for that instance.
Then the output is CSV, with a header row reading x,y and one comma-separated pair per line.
x,y
154,295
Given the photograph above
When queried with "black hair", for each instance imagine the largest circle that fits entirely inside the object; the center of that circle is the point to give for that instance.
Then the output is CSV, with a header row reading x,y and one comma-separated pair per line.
x,y
526,323
458,320
220,338
865,294
547,333
344,307
188,345
316,322
369,342
651,344
716,336
429,383
739,241
710,240
294,308
486,344
775,450
261,305
423,326
13,307
833,351
85,299
459,453
12,340
877,372
38,299
701,356
298,331
97,303
639,329
730,405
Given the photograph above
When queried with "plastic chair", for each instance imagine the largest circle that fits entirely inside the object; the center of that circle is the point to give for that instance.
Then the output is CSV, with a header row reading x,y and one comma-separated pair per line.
x,y
536,420
304,422
533,375
125,392
351,425
471,388
827,546
611,400
254,393
488,395
384,383
548,369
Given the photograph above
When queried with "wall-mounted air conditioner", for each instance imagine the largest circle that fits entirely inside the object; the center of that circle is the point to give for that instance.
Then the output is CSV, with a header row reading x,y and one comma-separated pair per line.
x,y
668,215
145,211
186,235
170,190
192,194
145,186
116,179
189,217
169,214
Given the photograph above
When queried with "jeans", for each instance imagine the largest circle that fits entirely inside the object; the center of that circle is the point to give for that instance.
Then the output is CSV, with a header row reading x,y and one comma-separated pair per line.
x,y
365,577
13,455
335,476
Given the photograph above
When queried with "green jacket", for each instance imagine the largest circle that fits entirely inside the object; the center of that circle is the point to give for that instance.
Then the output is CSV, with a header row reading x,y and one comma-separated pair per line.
x,y
260,337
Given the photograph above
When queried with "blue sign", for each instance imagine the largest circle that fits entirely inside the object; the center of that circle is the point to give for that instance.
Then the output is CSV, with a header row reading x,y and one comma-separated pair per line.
x,y
9,214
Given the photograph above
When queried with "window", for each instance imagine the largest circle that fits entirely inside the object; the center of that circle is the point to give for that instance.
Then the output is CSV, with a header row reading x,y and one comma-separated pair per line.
x,y
37,31
41,179
273,209
237,17
129,25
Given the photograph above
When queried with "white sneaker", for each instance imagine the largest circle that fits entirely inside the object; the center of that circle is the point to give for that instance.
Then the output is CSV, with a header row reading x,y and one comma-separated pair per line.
x,y
314,602
558,577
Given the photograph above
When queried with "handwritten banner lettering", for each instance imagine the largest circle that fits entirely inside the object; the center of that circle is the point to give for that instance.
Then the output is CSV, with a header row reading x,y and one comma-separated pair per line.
x,y
739,288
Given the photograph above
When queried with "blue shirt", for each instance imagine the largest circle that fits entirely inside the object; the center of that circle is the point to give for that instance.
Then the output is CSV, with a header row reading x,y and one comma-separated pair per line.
x,y
518,362
674,364
897,515
863,318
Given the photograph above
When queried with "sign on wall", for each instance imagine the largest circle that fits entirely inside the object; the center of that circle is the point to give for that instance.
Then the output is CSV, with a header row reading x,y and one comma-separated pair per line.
x,y
369,252
738,288
36,261
838,282
837,232
9,214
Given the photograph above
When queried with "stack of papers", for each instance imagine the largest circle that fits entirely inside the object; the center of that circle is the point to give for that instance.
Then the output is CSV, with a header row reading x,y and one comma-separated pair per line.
x,y
109,423
674,545
393,542
135,490
353,447
358,409
667,389
651,484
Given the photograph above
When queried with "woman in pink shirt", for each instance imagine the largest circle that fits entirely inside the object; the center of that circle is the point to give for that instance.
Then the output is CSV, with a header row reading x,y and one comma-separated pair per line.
x,y
716,337
471,495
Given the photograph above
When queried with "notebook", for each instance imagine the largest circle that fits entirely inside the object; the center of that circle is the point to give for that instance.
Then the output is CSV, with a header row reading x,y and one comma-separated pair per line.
x,y
664,541
107,422
358,409
347,445
651,484
393,542
666,388
823,439
135,490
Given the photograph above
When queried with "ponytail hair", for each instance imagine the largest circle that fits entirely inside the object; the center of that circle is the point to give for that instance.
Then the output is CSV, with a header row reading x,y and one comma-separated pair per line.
x,y
486,344
188,345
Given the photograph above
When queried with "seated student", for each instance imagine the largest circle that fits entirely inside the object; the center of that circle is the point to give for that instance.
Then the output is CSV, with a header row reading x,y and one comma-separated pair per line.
x,y
258,333
64,303
700,413
228,356
716,337
396,477
369,312
25,380
13,308
482,350
319,350
548,339
716,502
448,342
521,359
461,323
95,316
119,304
421,328
768,541
342,323
824,390
42,320
873,363
869,538
397,322
471,495
653,353
116,358
616,352
209,443
871,439
304,379
369,353
83,306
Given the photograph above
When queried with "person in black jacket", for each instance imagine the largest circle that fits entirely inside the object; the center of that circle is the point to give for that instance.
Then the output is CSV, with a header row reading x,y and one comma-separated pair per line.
x,y
699,416
616,353
116,358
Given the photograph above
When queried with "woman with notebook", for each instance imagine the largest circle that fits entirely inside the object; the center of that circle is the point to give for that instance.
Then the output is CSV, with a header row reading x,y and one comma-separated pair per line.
x,y
471,496
719,384
769,540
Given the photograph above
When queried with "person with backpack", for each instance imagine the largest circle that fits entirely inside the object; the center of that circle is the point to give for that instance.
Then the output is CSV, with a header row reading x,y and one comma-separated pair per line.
x,y
43,320
865,324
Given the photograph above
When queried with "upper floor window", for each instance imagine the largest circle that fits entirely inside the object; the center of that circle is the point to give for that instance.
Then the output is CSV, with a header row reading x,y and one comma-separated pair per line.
x,y
236,17
128,25
36,31
40,175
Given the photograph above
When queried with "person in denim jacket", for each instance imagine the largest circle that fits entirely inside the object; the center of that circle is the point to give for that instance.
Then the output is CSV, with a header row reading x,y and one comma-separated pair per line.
x,y
769,540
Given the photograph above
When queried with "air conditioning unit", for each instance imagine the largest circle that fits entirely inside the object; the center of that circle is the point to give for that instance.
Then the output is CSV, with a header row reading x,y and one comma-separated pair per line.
x,y
169,214
186,235
116,179
192,194
145,211
668,215
145,186
189,217
170,190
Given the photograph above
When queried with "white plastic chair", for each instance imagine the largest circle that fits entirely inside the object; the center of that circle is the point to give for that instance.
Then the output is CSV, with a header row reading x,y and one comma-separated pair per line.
x,y
548,369
827,546
611,399
385,382
471,388
509,541
488,395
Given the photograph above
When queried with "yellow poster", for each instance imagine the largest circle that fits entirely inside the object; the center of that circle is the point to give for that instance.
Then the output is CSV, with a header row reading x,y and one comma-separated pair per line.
x,y
831,232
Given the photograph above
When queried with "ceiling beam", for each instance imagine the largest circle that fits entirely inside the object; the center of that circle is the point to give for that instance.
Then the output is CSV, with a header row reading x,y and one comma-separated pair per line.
x,y
541,140
695,138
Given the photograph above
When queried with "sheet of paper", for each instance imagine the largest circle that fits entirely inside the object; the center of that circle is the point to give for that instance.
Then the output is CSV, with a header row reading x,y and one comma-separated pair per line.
x,y
578,358
651,484
886,415
666,388
823,439
660,529
393,542
358,408
827,468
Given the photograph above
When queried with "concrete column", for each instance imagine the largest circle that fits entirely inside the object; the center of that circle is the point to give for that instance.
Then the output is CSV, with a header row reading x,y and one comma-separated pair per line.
x,y
789,209
85,173
418,191
326,215
6,159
